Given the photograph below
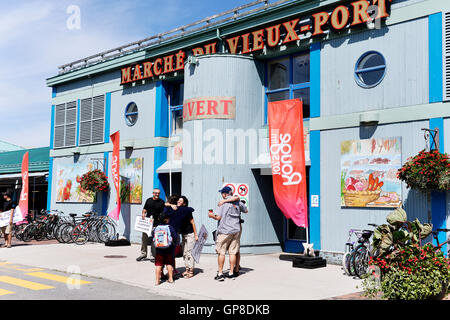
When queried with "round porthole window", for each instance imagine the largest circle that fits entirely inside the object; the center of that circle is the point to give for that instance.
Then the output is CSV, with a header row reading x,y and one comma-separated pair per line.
x,y
370,69
131,114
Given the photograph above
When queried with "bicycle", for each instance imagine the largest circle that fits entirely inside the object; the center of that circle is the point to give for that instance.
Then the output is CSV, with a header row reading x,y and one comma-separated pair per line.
x,y
94,228
349,249
362,253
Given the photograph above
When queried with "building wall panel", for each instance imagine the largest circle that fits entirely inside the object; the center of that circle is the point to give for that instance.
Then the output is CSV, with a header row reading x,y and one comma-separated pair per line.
x,y
337,220
405,49
144,97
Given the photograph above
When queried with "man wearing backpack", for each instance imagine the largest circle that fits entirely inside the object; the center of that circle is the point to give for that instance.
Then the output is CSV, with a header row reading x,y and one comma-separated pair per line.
x,y
164,239
228,231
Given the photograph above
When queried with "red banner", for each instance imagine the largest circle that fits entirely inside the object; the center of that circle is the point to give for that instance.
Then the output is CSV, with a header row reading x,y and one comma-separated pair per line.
x,y
287,154
23,202
115,166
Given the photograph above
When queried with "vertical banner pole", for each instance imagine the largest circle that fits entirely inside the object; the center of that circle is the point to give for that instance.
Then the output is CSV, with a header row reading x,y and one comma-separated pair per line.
x,y
287,154
115,170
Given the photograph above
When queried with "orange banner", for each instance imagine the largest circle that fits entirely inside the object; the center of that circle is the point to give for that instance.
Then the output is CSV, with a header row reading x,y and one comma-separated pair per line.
x,y
287,154
115,168
23,202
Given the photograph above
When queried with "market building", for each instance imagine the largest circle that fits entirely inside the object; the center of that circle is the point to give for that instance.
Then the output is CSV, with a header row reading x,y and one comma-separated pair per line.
x,y
38,168
191,108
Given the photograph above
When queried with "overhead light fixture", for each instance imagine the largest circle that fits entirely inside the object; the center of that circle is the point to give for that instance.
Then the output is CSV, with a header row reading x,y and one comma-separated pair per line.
x,y
76,151
369,118
192,60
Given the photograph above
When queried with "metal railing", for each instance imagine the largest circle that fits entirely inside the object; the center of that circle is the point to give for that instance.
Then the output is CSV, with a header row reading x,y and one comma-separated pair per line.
x,y
205,23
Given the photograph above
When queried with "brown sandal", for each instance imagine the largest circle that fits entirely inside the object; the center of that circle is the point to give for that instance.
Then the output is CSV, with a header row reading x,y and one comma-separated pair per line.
x,y
189,273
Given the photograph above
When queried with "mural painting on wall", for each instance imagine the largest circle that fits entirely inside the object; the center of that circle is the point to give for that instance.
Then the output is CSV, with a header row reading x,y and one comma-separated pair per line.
x,y
68,183
131,180
369,173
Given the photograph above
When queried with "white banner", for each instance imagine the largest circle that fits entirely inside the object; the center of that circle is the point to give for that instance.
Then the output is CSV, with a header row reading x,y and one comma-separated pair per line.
x,y
144,225
5,216
198,246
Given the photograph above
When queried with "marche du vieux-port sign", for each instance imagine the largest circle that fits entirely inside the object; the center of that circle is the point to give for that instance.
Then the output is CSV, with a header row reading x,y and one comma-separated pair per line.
x,y
336,19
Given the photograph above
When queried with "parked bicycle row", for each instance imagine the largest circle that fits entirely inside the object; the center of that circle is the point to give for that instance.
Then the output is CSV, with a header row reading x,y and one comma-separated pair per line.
x,y
64,228
359,250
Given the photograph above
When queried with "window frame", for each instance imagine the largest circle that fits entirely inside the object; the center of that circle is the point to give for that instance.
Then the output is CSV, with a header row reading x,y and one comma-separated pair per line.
x,y
291,88
358,71
174,108
126,114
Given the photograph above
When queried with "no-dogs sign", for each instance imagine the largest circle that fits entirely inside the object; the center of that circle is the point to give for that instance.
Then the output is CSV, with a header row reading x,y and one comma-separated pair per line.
x,y
240,190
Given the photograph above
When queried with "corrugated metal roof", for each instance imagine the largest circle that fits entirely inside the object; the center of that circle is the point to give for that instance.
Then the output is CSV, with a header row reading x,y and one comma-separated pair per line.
x,y
11,162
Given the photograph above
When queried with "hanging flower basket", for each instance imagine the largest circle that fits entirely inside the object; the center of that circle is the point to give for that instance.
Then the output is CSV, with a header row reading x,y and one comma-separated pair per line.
x,y
427,171
95,181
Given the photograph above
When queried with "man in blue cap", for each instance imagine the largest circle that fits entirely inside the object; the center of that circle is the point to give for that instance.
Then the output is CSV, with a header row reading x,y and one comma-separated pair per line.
x,y
228,231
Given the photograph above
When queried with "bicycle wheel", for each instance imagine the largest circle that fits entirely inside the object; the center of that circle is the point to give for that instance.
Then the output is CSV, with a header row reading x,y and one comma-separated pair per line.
x,y
105,231
39,233
28,232
80,234
66,233
361,261
57,231
346,262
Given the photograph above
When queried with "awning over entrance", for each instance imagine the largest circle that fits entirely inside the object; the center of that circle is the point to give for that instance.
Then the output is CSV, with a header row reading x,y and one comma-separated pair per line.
x,y
170,166
19,175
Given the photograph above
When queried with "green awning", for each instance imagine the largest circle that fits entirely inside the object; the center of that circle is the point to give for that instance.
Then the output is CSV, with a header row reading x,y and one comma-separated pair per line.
x,y
11,161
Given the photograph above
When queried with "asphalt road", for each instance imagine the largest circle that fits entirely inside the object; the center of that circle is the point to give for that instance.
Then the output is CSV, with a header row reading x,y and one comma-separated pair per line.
x,y
27,283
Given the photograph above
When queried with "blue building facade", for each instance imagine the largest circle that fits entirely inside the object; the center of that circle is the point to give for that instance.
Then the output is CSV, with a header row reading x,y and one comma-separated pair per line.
x,y
358,79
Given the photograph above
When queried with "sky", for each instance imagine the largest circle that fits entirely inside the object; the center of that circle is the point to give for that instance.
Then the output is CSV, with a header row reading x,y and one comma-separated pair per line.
x,y
37,36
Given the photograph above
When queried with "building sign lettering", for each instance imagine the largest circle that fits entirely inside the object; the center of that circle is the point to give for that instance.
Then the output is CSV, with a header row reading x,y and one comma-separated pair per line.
x,y
343,16
209,108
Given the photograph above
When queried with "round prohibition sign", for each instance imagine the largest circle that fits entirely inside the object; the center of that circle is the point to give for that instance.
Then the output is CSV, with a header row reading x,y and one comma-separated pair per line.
x,y
242,190
232,187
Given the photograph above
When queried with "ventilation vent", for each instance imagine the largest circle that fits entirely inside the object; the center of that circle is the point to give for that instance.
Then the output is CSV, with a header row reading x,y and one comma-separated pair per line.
x,y
92,119
65,124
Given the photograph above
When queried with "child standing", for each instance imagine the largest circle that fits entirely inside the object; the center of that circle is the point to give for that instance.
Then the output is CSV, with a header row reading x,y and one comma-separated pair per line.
x,y
164,238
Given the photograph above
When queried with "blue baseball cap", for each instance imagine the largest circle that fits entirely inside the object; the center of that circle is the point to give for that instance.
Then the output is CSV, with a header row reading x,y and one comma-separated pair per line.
x,y
225,189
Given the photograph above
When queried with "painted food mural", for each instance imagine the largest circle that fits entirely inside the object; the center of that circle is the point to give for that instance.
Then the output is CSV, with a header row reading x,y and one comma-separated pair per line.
x,y
131,180
369,173
68,187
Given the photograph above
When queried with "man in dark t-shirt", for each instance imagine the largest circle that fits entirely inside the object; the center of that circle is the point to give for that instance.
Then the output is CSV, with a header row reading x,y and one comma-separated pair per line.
x,y
153,207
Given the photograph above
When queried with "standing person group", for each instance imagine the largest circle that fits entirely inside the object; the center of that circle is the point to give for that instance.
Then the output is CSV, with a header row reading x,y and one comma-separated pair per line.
x,y
177,215
174,219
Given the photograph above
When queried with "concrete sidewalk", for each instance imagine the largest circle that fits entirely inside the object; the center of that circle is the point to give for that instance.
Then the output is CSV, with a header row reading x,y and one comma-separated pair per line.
x,y
264,276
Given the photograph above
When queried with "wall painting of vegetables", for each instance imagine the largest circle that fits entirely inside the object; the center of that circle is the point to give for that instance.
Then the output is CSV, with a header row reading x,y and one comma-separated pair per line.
x,y
131,180
369,173
68,187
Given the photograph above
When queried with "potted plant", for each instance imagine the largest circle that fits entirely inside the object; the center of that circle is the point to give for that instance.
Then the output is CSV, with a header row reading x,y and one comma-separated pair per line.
x,y
427,171
401,267
95,181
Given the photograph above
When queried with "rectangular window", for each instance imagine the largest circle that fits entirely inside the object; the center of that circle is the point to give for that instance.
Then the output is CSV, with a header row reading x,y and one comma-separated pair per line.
x,y
176,96
288,78
92,120
65,125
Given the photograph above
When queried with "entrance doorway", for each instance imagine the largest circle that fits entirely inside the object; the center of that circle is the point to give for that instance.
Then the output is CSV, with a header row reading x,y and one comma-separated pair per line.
x,y
167,184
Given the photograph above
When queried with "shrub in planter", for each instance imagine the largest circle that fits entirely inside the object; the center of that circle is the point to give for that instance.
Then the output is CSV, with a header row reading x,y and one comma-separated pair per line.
x,y
95,181
403,268
428,170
